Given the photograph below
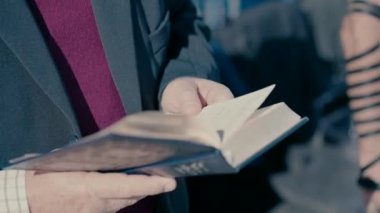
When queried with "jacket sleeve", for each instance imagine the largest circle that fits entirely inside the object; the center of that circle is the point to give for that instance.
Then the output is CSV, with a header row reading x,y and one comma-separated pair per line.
x,y
189,52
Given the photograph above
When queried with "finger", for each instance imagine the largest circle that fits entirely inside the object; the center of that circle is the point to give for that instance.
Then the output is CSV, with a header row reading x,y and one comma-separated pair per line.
x,y
184,98
213,92
190,101
120,186
218,94
181,97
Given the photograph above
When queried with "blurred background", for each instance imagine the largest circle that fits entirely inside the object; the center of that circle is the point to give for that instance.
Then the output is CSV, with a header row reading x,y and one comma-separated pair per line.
x,y
294,44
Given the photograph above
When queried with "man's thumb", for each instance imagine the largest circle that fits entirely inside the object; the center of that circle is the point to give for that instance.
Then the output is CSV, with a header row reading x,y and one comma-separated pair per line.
x,y
190,100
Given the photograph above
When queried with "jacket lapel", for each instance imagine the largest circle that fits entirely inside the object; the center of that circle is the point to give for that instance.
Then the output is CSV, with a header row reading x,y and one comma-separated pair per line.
x,y
115,26
19,30
118,30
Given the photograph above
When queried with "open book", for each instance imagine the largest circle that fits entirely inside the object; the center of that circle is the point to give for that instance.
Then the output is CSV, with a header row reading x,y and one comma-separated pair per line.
x,y
221,139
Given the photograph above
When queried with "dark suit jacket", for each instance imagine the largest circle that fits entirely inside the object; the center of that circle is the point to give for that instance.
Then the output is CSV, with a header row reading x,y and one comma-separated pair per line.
x,y
147,44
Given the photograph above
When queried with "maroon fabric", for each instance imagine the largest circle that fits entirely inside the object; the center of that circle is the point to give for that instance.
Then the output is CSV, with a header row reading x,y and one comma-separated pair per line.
x,y
71,23
75,43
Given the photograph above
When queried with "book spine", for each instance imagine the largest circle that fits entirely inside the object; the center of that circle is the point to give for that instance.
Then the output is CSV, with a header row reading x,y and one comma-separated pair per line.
x,y
212,163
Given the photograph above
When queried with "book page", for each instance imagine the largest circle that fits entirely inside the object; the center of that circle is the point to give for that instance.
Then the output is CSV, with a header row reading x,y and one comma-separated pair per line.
x,y
228,116
266,126
154,124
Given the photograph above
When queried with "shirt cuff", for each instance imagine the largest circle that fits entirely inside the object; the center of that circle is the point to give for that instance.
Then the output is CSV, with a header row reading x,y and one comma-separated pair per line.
x,y
13,192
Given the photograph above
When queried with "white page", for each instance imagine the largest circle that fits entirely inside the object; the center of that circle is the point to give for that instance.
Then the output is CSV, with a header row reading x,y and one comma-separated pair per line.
x,y
228,116
258,132
155,124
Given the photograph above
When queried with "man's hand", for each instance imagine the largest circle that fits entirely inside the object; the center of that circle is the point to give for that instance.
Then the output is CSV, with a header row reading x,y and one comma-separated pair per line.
x,y
90,192
189,95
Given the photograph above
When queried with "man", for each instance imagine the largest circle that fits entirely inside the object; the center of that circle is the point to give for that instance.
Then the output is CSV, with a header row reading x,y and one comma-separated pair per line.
x,y
72,67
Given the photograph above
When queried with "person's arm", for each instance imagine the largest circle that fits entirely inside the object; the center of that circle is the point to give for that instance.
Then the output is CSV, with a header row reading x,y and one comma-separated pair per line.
x,y
184,88
189,53
13,192
360,35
